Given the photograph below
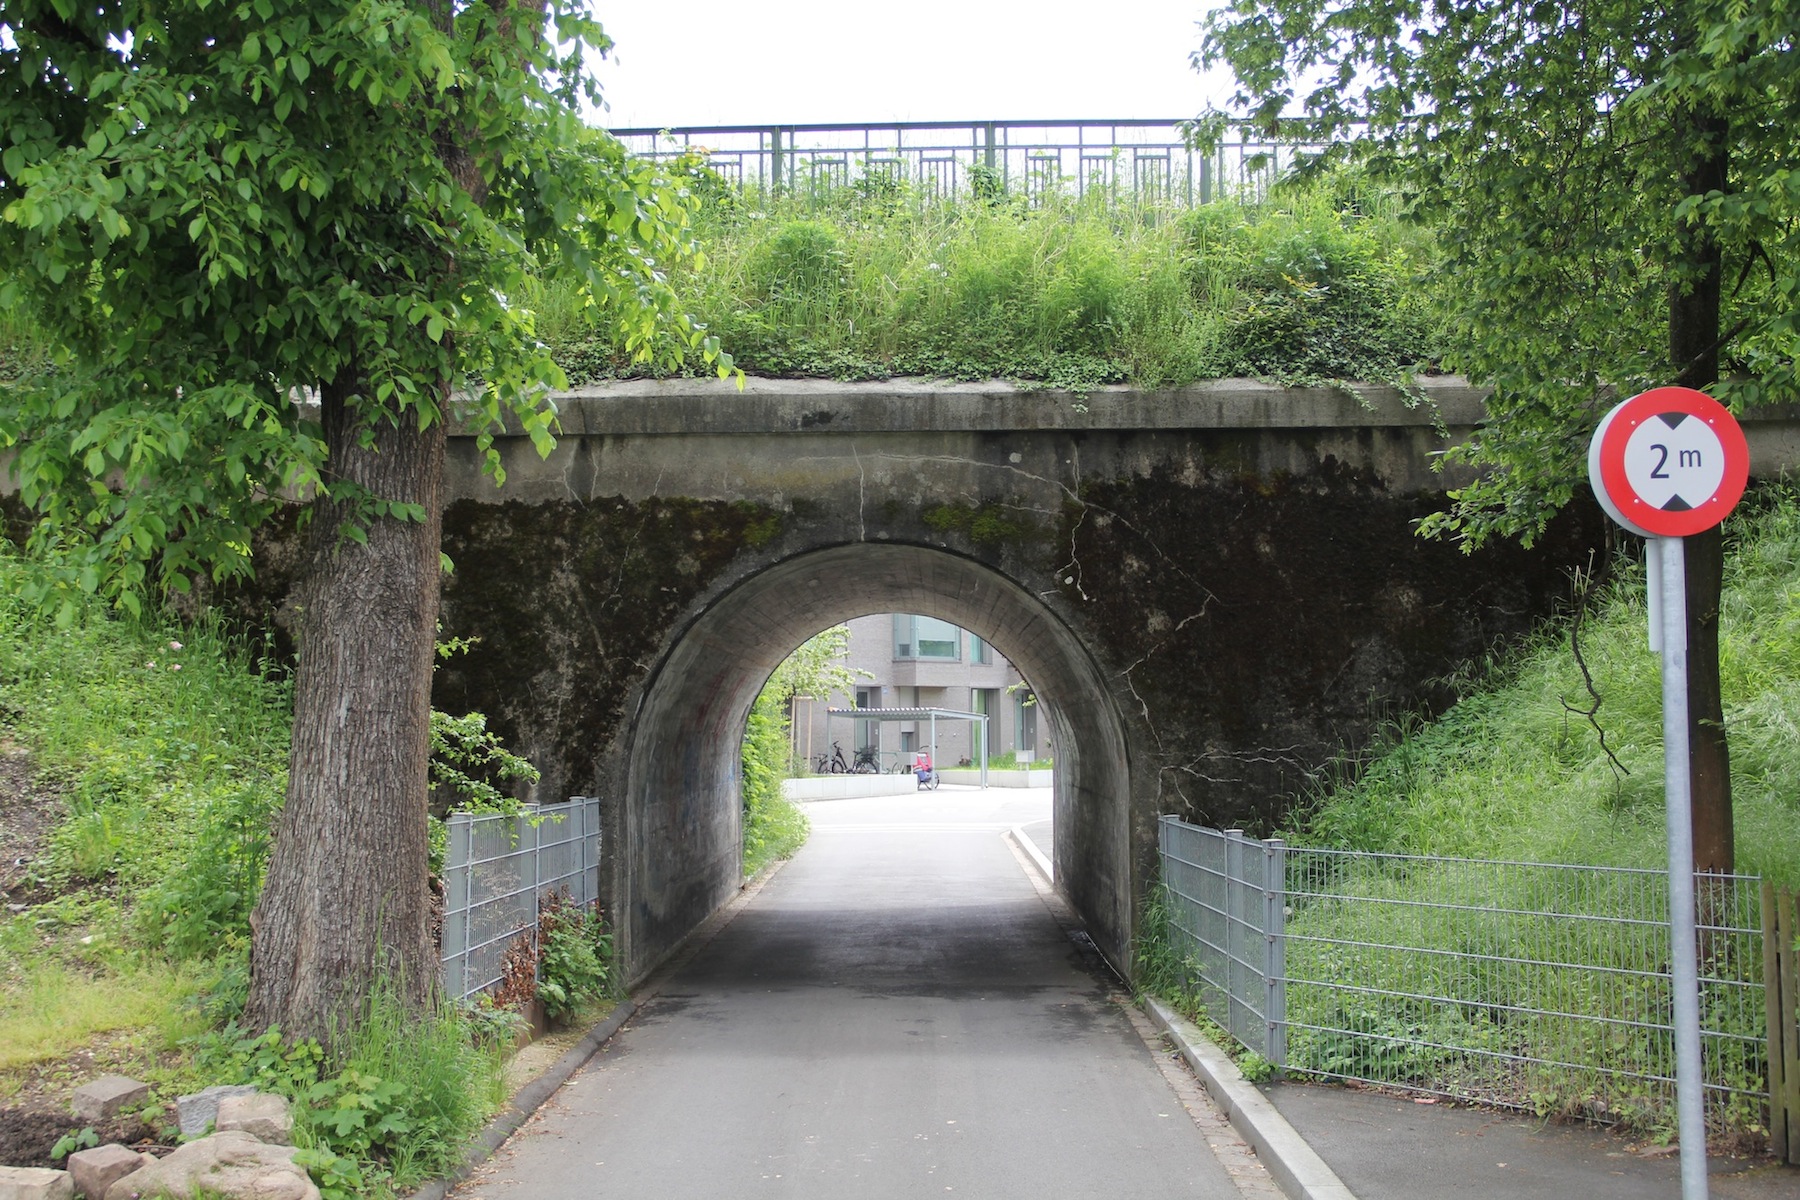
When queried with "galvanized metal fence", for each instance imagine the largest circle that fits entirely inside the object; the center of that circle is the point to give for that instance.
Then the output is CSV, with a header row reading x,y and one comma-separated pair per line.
x,y
1521,984
1144,161
496,871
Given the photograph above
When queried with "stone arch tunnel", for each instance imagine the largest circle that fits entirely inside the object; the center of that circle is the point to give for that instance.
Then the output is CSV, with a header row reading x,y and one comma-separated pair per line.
x,y
681,774
1219,588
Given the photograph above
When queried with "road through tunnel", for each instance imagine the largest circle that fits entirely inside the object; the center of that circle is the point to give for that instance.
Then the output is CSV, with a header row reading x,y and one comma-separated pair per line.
x,y
678,846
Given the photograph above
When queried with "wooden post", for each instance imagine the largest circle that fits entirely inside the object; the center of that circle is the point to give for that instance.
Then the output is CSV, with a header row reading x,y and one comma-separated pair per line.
x,y
1781,984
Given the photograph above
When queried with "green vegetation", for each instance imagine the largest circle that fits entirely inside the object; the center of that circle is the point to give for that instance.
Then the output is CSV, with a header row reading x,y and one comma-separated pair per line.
x,y
574,956
1010,762
1516,771
157,753
1315,282
333,202
773,826
1312,283
389,1110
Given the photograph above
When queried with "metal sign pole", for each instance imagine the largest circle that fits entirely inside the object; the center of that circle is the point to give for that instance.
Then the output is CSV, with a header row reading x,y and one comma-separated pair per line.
x,y
1684,970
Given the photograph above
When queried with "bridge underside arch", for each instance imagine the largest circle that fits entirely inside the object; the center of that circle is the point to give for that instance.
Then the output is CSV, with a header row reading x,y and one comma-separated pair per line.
x,y
679,847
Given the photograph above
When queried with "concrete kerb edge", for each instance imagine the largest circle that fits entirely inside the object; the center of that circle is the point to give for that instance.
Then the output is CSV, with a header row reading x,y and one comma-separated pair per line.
x,y
1294,1164
531,1097
1030,849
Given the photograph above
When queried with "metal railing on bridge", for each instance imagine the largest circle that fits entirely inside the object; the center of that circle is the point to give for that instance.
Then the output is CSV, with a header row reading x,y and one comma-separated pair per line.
x,y
1150,162
1520,984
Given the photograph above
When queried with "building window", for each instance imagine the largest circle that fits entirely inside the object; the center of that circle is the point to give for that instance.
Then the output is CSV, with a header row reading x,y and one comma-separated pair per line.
x,y
980,652
1027,713
925,637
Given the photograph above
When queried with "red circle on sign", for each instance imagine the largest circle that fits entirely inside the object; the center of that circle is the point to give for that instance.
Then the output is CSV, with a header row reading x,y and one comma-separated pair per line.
x,y
1644,454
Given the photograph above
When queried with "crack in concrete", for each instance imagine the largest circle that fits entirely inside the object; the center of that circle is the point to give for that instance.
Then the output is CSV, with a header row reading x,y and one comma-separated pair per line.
x,y
862,495
1284,756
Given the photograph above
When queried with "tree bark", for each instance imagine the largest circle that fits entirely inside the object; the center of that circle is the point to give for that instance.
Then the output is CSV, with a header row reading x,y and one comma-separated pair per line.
x,y
346,905
1694,302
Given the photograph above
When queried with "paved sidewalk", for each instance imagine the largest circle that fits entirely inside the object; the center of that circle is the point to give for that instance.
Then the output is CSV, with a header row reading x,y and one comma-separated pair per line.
x,y
1390,1148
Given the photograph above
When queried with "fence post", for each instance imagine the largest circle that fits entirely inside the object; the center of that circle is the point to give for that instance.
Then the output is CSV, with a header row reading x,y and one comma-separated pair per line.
x,y
462,827
1234,926
1275,949
1781,1000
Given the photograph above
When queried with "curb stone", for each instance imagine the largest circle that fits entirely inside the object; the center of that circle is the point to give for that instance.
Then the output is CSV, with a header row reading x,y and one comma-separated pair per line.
x,y
529,1098
1296,1166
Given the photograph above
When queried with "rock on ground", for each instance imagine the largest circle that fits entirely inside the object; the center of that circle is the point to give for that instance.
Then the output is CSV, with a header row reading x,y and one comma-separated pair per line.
x,y
98,1169
107,1096
195,1111
35,1183
262,1115
232,1166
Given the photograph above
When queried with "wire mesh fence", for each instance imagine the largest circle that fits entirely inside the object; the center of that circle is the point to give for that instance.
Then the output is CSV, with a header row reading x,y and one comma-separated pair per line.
x,y
1524,984
1225,920
1141,161
495,872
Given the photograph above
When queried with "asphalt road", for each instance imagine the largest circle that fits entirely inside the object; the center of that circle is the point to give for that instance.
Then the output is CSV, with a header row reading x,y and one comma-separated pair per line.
x,y
896,1014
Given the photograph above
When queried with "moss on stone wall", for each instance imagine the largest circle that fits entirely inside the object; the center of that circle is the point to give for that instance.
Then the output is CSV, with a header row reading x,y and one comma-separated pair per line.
x,y
1266,624
987,523
572,604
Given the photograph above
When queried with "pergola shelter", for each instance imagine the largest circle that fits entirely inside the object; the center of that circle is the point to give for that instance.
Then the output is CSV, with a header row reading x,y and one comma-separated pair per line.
x,y
931,715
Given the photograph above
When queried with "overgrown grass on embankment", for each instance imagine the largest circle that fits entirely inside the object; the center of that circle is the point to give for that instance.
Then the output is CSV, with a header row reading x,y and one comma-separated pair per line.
x,y
1516,773
1312,283
159,753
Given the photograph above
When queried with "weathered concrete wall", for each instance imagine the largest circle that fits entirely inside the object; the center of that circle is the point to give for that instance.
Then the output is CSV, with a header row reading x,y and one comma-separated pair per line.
x,y
1216,589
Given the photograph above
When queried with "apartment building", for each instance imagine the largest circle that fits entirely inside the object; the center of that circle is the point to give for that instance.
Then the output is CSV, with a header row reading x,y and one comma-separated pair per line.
x,y
907,661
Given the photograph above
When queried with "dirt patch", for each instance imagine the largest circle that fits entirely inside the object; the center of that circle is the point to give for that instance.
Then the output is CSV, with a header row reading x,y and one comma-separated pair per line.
x,y
27,1136
28,812
35,1100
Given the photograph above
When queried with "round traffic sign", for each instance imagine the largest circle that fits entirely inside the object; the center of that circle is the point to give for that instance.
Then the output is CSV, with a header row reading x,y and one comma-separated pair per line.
x,y
1669,462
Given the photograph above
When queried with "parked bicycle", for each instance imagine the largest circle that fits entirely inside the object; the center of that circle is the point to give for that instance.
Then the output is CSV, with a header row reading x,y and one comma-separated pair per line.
x,y
866,762
833,763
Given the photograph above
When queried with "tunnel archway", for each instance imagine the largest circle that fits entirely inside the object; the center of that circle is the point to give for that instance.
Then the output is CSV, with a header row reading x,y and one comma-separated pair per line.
x,y
678,833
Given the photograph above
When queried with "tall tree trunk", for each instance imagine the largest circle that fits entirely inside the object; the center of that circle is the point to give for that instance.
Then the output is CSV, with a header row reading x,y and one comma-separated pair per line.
x,y
347,904
1694,354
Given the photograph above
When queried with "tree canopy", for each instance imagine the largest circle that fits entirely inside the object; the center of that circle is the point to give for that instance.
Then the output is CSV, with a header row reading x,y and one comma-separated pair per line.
x,y
213,208
1614,189
1587,166
274,245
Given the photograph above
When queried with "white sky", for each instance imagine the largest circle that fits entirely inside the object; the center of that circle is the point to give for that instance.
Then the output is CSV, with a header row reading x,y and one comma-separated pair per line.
x,y
750,62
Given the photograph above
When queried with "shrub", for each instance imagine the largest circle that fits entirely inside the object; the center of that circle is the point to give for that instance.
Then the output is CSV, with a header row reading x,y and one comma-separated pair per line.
x,y
574,955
